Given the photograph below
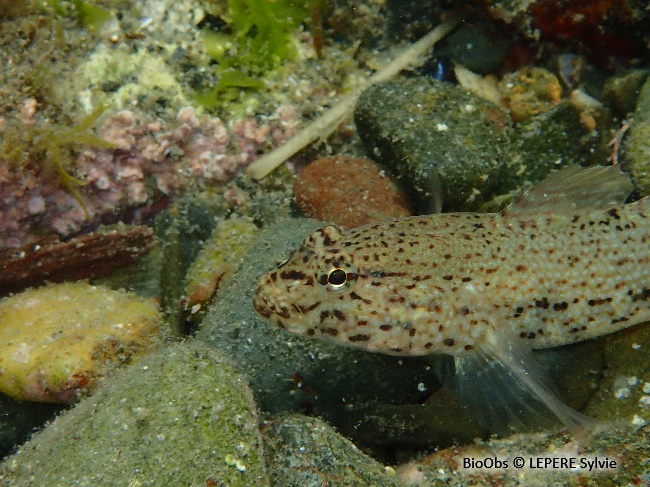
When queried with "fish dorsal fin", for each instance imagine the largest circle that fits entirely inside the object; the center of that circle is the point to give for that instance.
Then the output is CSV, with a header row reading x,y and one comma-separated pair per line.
x,y
574,188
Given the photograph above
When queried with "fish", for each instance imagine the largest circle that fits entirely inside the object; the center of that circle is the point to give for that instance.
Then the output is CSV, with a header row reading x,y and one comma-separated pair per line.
x,y
568,261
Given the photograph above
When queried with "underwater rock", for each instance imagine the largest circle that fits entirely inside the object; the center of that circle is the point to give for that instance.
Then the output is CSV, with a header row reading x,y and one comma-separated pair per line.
x,y
623,391
480,47
437,138
217,261
625,444
181,416
57,340
545,142
19,420
348,191
308,452
621,92
636,144
440,140
294,373
529,91
636,149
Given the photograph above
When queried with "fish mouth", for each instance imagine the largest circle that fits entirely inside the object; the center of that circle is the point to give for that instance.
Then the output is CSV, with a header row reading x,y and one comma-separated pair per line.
x,y
261,303
268,307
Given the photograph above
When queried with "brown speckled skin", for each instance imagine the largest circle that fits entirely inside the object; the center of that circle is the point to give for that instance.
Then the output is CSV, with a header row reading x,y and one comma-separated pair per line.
x,y
437,284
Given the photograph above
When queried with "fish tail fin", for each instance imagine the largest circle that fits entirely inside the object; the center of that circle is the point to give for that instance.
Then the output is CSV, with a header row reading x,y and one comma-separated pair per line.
x,y
503,383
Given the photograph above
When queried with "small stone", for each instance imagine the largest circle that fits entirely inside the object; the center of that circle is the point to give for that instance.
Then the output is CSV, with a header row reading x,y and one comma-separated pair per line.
x,y
348,191
309,452
636,150
57,340
420,130
174,422
530,91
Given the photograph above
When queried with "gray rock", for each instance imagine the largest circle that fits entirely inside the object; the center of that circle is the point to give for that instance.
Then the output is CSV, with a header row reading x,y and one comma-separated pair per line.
x,y
307,452
621,92
425,130
479,47
636,143
545,142
442,141
180,416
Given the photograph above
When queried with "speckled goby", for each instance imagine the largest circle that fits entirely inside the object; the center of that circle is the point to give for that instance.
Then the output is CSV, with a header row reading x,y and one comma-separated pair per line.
x,y
566,262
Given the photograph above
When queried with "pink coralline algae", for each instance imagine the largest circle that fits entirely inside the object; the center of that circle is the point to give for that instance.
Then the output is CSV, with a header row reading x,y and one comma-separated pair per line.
x,y
151,159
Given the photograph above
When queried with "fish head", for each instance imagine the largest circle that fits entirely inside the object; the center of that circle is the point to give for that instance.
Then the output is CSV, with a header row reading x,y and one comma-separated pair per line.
x,y
325,290
318,272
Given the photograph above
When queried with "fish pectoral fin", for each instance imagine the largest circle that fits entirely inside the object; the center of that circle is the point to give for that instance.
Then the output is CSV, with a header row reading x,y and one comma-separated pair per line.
x,y
508,389
573,188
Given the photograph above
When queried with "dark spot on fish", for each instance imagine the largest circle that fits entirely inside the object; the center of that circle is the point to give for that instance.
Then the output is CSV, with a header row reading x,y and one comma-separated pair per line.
x,y
466,279
468,347
447,278
542,303
324,315
386,327
354,295
339,314
428,345
644,295
619,320
614,214
450,342
360,337
560,306
386,274
331,331
463,310
310,332
520,268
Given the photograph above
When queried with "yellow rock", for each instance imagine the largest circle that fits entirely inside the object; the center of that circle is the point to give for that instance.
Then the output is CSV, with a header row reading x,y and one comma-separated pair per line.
x,y
57,340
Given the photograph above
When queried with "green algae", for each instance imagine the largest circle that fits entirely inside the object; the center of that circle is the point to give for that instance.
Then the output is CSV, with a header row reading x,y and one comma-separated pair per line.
x,y
88,15
258,38
181,416
48,147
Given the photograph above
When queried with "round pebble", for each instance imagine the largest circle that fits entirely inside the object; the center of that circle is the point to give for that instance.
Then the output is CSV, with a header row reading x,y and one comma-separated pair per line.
x,y
57,340
348,191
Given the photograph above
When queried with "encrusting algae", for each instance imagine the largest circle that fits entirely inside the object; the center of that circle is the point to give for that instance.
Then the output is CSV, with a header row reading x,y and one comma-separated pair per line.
x,y
565,263
57,340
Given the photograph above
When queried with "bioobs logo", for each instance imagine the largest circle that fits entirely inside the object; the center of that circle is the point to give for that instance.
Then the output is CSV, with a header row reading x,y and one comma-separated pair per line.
x,y
487,463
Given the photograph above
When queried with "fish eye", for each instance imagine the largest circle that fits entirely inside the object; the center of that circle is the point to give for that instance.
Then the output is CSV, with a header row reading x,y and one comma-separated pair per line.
x,y
337,277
